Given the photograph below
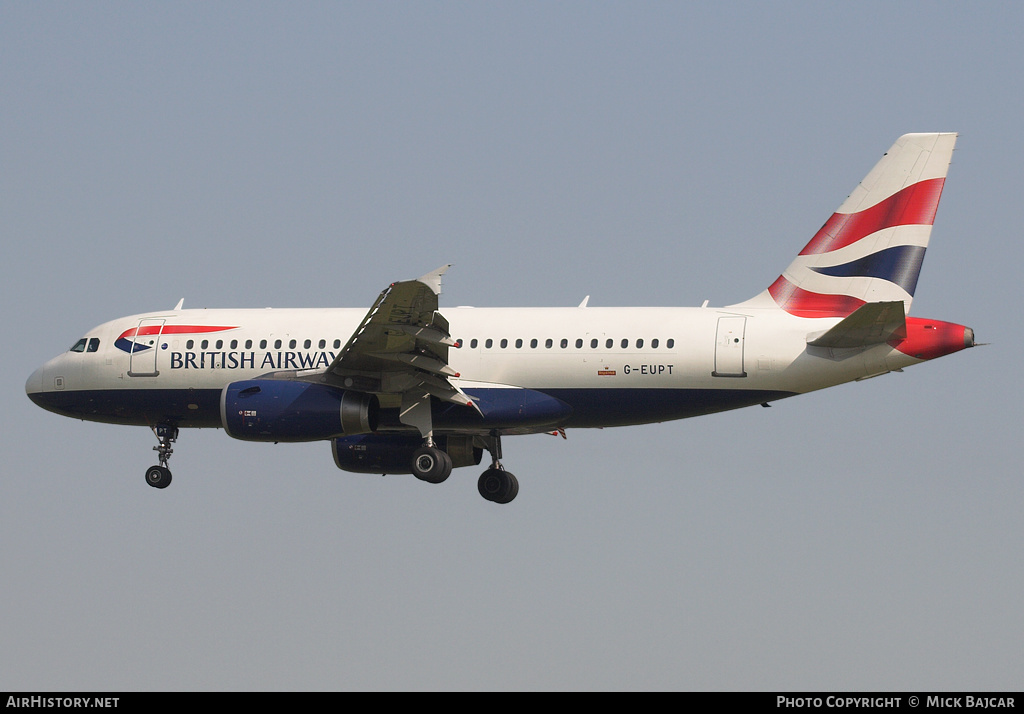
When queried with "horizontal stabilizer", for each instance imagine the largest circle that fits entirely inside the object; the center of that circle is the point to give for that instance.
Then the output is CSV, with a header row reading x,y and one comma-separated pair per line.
x,y
871,324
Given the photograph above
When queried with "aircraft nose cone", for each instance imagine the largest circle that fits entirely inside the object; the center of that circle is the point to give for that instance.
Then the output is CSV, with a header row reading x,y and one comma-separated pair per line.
x,y
969,337
34,385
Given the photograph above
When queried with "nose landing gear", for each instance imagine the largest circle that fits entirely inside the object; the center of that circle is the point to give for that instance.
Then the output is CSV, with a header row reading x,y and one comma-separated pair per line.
x,y
160,476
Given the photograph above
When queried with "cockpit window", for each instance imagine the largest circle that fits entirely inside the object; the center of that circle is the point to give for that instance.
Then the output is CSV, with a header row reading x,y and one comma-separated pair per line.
x,y
87,344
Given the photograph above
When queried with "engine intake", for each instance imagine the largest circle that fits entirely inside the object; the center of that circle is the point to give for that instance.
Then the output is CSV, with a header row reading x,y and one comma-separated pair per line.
x,y
282,410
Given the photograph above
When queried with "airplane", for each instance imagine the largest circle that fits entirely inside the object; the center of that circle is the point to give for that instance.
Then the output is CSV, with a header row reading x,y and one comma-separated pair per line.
x,y
408,387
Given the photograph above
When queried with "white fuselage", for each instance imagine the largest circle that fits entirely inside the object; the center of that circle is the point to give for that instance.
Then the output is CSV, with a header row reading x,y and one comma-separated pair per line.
x,y
587,356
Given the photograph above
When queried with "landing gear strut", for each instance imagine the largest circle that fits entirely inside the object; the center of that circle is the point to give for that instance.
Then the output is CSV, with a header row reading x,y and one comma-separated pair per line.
x,y
496,484
160,476
429,463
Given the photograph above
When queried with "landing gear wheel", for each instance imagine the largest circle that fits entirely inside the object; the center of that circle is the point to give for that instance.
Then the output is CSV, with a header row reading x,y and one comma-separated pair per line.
x,y
498,485
158,476
430,464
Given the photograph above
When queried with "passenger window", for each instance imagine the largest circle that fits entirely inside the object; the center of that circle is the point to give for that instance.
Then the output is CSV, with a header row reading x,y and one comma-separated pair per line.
x,y
234,344
564,343
504,343
489,343
94,344
220,344
473,343
291,344
519,343
80,345
263,344
579,343
337,344
670,344
277,344
306,345
608,343
248,344
625,343
533,343
654,343
189,344
323,343
548,343
205,344
639,343
593,344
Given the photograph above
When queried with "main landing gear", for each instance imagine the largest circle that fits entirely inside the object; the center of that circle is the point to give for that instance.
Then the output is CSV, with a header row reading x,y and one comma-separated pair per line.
x,y
496,484
160,476
431,464
434,465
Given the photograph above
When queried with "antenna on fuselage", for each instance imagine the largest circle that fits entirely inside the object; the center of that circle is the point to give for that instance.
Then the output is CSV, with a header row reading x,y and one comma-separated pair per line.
x,y
180,303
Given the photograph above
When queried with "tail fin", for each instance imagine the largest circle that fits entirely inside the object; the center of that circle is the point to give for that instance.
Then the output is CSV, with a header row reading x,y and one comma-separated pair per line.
x,y
872,247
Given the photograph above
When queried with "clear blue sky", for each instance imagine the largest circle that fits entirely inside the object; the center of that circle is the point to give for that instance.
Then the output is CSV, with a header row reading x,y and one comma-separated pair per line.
x,y
307,154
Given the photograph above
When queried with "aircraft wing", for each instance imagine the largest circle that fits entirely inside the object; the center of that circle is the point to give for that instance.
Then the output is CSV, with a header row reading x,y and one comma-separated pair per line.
x,y
401,346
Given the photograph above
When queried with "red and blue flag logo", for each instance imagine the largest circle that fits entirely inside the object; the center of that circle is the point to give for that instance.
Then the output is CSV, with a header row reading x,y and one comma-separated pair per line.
x,y
131,341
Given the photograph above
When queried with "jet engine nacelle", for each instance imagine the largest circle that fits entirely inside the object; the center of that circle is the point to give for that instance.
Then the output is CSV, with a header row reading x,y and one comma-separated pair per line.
x,y
392,453
282,410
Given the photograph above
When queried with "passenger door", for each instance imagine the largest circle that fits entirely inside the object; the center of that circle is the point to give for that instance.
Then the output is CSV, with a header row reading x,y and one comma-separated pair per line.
x,y
145,348
729,347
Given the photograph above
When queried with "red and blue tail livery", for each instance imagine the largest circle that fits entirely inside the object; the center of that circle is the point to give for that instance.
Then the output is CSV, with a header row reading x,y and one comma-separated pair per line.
x,y
409,386
871,249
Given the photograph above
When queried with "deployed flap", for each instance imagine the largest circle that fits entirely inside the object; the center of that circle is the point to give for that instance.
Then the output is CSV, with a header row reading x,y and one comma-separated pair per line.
x,y
401,346
871,324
